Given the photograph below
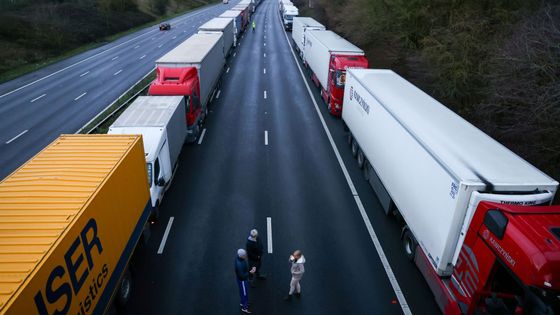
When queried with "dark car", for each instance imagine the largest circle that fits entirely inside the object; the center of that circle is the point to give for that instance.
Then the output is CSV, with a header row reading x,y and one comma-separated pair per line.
x,y
164,26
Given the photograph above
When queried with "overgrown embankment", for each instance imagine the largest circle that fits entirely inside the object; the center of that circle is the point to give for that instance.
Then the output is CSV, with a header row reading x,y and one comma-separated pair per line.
x,y
496,63
32,33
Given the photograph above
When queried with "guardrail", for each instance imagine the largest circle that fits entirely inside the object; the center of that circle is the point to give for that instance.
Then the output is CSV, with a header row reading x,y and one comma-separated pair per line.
x,y
106,116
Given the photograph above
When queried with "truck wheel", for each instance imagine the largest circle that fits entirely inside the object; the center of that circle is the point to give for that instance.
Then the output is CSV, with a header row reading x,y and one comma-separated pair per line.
x,y
361,158
354,148
125,288
409,244
350,139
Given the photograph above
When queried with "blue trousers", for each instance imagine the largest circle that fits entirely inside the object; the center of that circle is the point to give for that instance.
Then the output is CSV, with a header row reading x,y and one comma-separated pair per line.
x,y
243,292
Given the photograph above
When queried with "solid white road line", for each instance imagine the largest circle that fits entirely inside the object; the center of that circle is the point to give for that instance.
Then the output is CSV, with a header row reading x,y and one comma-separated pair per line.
x,y
85,73
115,58
269,234
165,235
116,73
227,71
265,137
218,95
81,95
38,97
143,56
377,244
202,136
265,94
19,135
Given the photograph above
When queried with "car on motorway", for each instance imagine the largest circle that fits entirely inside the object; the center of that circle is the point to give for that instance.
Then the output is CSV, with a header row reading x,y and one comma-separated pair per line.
x,y
225,1
164,27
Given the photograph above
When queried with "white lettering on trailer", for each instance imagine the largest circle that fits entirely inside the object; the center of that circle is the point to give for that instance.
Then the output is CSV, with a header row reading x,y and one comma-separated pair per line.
x,y
165,235
19,135
202,136
116,73
269,234
38,97
265,137
80,96
85,73
377,244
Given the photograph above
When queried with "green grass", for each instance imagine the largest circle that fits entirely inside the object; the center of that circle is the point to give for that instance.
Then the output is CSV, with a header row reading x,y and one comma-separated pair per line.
x,y
30,67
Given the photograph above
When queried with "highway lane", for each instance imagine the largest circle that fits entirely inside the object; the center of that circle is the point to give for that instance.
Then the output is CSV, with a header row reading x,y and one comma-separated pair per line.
x,y
270,158
61,98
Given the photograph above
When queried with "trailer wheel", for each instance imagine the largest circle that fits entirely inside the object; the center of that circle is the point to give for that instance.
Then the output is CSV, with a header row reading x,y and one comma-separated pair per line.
x,y
354,147
349,138
361,158
409,244
125,288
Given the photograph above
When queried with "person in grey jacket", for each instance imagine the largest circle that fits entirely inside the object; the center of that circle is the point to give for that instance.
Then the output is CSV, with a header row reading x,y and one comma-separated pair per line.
x,y
298,269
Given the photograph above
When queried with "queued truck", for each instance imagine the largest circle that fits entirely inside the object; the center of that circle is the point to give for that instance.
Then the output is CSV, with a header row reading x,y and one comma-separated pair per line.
x,y
250,5
161,122
72,217
245,14
288,13
478,218
300,26
192,70
222,26
328,55
237,22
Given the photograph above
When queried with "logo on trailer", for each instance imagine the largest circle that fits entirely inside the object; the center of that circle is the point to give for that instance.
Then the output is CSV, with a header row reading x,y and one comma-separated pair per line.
x,y
67,280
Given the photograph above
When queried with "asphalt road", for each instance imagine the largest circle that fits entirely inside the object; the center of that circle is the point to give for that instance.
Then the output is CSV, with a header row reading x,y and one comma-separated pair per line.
x,y
38,107
265,154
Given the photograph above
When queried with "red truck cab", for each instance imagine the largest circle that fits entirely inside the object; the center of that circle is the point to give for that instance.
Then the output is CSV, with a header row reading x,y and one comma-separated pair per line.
x,y
184,82
509,263
334,95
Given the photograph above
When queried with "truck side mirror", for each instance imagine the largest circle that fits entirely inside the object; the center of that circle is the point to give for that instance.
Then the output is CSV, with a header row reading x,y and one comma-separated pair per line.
x,y
161,182
496,222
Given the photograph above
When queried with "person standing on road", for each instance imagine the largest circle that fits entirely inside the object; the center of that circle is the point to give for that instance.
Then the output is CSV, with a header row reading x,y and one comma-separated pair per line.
x,y
298,260
254,25
255,251
242,272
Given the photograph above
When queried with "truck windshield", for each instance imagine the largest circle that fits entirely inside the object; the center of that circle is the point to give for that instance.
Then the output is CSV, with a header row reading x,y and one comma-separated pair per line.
x,y
150,173
288,17
340,78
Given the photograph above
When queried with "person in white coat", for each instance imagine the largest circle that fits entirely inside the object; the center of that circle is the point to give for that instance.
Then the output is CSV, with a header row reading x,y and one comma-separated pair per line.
x,y
298,269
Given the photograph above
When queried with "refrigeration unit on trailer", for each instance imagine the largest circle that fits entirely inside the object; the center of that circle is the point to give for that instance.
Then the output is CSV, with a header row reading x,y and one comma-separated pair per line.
x,y
479,224
300,26
72,217
193,70
237,22
329,55
161,122
222,26
288,13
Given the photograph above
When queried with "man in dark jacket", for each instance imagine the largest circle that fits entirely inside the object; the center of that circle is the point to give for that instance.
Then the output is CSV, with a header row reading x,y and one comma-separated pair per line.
x,y
242,272
254,249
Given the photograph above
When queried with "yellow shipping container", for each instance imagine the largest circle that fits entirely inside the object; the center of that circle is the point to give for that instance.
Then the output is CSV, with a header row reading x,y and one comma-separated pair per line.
x,y
70,219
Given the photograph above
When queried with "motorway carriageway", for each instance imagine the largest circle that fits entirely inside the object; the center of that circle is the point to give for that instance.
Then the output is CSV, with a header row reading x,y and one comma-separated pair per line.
x,y
267,160
61,98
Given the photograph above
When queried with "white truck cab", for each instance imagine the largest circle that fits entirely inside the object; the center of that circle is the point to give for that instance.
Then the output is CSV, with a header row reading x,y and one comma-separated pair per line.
x,y
288,14
161,122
